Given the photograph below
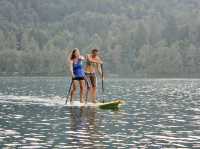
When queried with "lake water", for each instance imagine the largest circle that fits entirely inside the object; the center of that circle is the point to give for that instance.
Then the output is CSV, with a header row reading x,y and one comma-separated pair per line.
x,y
159,113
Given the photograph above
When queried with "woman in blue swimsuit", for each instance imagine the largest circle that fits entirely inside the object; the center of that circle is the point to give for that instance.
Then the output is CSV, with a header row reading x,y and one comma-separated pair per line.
x,y
77,72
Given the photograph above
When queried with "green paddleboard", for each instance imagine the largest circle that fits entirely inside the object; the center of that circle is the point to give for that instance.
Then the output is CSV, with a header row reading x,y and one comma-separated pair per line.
x,y
111,105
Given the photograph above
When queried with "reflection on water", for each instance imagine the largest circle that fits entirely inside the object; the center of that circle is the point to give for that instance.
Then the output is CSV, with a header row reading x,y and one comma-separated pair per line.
x,y
39,127
157,114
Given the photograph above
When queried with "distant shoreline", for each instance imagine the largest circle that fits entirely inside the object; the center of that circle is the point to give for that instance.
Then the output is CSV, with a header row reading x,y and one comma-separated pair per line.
x,y
110,77
49,75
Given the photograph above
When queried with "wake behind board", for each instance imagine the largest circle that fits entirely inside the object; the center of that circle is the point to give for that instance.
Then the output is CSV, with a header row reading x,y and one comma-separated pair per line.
x,y
114,104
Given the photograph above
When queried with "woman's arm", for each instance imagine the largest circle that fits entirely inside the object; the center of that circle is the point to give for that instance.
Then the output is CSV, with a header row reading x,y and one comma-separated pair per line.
x,y
82,57
71,68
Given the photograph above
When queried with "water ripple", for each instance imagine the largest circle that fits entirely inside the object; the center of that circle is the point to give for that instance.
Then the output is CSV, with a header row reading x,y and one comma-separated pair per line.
x,y
159,113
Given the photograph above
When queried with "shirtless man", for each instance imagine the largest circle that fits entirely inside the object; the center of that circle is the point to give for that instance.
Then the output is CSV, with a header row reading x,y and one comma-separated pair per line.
x,y
93,64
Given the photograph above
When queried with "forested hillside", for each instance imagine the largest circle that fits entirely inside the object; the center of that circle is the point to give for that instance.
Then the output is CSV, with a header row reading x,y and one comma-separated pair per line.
x,y
137,38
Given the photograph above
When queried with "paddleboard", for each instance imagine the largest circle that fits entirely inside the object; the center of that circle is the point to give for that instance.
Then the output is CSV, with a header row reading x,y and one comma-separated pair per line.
x,y
113,104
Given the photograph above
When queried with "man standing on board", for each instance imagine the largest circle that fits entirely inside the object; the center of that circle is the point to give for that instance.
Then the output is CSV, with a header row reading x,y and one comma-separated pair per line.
x,y
93,64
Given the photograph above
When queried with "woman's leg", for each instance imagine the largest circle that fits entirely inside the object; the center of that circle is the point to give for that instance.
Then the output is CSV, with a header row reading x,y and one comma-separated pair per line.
x,y
73,91
82,88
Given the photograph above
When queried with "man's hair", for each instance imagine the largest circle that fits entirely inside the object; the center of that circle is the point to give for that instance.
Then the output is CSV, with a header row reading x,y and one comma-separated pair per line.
x,y
95,50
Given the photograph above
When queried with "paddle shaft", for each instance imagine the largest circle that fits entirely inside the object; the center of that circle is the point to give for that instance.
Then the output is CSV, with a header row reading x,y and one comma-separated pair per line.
x,y
102,83
67,97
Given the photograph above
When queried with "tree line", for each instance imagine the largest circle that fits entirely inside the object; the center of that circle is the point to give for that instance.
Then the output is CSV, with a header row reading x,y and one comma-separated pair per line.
x,y
137,38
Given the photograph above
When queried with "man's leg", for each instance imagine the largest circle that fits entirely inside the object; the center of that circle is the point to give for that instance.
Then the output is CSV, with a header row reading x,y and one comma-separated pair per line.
x,y
94,88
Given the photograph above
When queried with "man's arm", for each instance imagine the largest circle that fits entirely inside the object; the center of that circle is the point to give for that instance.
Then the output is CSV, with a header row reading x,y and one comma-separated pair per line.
x,y
99,69
96,60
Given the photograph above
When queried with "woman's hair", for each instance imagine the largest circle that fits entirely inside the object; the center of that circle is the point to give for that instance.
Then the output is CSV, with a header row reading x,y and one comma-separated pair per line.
x,y
72,56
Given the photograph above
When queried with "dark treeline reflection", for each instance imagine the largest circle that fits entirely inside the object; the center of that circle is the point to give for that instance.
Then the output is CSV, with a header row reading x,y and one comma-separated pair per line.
x,y
138,38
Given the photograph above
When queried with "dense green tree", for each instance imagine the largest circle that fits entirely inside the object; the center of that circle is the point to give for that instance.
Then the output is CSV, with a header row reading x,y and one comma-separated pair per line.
x,y
153,38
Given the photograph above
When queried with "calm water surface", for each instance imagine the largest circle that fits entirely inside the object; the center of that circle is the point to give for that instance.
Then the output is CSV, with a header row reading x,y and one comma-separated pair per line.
x,y
158,113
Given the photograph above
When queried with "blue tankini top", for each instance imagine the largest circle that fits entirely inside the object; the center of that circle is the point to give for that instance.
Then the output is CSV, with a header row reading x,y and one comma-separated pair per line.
x,y
78,69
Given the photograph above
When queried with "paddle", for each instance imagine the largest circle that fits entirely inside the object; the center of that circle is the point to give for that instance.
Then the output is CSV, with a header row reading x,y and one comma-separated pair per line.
x,y
102,84
67,97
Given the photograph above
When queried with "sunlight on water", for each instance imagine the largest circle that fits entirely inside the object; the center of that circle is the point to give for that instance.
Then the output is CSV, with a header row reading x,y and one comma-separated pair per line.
x,y
158,113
